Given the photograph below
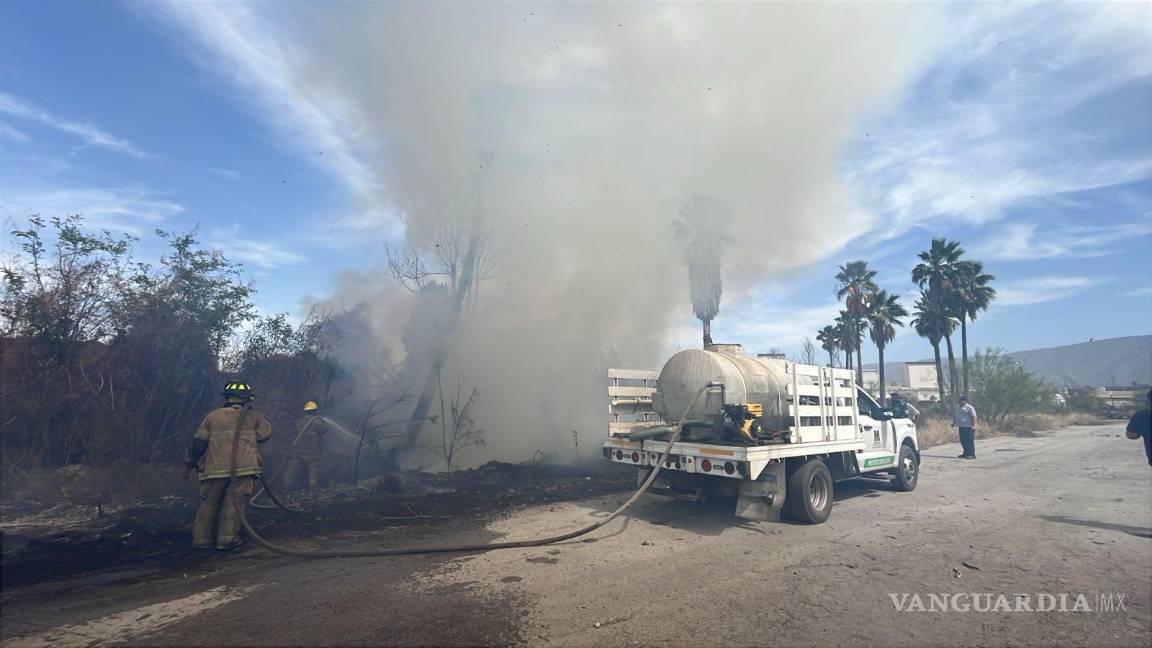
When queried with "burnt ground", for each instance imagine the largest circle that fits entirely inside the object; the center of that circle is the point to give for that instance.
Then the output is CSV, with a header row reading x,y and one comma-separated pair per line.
x,y
45,541
1060,513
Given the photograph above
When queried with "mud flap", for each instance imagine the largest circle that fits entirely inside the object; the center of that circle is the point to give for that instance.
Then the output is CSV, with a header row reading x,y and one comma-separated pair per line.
x,y
762,499
642,476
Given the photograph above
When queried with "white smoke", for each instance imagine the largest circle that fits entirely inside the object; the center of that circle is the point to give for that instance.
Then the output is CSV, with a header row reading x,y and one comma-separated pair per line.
x,y
702,230
600,122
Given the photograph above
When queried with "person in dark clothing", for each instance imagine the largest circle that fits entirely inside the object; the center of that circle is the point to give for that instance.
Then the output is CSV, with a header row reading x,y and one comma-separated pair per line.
x,y
902,408
1140,426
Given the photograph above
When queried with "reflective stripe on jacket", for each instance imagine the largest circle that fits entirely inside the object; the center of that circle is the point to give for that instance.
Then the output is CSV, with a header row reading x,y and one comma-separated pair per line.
x,y
217,429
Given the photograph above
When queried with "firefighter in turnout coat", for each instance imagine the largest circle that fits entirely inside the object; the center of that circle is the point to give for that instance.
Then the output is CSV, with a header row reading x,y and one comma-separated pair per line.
x,y
224,451
308,451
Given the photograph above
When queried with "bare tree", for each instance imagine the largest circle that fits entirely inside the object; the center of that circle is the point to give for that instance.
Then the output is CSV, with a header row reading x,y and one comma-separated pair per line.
x,y
450,247
808,352
458,429
369,428
462,255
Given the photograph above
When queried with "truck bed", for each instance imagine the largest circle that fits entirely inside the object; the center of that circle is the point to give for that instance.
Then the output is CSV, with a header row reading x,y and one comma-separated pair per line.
x,y
735,461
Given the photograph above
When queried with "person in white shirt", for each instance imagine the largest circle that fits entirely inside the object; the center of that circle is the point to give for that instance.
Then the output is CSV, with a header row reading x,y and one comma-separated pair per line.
x,y
965,420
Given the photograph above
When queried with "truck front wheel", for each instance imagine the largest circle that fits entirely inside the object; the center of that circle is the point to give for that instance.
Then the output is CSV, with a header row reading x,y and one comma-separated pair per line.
x,y
809,497
907,471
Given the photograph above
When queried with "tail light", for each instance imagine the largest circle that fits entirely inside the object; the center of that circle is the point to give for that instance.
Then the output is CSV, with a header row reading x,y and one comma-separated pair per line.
x,y
619,455
635,457
729,467
706,466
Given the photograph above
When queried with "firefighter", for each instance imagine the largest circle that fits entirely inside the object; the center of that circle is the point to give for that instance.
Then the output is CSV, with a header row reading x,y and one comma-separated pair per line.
x,y
309,449
224,451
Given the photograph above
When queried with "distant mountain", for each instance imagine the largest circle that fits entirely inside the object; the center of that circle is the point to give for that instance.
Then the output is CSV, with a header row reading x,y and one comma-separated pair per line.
x,y
1114,362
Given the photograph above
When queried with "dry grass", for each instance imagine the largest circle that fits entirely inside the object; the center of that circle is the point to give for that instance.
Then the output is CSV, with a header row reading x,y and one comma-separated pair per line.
x,y
933,431
1082,418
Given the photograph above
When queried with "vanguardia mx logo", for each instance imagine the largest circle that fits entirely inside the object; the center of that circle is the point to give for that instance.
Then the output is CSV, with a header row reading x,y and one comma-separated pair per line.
x,y
1092,602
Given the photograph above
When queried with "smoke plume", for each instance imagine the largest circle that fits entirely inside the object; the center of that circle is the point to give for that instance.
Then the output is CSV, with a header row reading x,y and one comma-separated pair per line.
x,y
573,135
702,226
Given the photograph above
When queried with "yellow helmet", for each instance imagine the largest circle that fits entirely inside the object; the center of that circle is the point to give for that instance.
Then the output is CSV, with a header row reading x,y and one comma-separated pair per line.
x,y
311,406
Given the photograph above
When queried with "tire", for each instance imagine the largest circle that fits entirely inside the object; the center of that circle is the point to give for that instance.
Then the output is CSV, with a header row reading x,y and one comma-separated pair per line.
x,y
907,471
809,497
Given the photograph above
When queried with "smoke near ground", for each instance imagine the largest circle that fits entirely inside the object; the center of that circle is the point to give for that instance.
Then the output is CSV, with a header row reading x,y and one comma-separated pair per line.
x,y
574,134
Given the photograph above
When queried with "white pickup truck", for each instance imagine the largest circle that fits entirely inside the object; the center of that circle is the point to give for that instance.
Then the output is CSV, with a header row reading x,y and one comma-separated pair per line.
x,y
774,434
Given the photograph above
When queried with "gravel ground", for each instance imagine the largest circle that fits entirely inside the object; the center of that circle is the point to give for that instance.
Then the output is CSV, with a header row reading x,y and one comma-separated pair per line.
x,y
1064,512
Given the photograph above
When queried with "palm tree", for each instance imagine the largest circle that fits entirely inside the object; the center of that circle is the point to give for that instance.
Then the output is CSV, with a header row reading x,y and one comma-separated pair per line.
x,y
884,314
973,295
932,320
845,326
829,339
855,285
937,275
939,267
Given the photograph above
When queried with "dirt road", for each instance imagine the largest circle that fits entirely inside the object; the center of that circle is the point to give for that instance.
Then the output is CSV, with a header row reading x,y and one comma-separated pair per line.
x,y
1063,513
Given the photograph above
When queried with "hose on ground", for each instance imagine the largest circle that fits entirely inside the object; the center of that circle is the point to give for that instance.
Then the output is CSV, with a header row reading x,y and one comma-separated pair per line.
x,y
265,488
264,483
517,544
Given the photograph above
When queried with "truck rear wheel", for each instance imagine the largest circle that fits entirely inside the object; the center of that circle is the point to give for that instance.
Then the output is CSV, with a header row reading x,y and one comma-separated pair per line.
x,y
809,497
907,471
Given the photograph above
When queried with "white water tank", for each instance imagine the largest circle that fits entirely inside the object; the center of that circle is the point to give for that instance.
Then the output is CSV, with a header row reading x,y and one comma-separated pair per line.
x,y
746,380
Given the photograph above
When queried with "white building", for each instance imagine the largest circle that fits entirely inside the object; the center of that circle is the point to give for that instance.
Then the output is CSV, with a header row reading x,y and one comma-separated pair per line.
x,y
915,381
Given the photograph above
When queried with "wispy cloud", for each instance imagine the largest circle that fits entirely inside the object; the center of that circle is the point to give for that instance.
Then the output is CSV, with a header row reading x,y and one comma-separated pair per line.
x,y
124,209
231,174
1139,292
999,120
241,47
1024,241
10,133
1041,289
91,135
264,254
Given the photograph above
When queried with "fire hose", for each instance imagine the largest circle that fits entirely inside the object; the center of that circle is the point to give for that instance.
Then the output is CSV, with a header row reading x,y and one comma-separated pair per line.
x,y
517,544
265,484
264,488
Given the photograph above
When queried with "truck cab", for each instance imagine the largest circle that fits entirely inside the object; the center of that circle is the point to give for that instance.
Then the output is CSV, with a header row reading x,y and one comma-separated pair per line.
x,y
883,433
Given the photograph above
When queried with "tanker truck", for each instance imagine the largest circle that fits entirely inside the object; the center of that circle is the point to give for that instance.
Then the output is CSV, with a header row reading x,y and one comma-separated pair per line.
x,y
773,434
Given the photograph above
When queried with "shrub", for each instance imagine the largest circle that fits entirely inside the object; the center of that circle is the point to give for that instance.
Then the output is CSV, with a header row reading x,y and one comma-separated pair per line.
x,y
106,359
1083,399
1000,388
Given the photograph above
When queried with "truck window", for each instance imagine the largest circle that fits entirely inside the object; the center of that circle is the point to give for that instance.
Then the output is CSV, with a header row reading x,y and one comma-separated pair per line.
x,y
868,407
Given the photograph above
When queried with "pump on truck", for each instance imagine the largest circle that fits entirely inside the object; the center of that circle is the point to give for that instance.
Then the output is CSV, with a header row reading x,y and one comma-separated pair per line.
x,y
774,434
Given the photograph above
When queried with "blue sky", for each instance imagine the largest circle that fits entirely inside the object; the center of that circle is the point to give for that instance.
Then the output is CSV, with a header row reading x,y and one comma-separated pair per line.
x,y
1026,134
